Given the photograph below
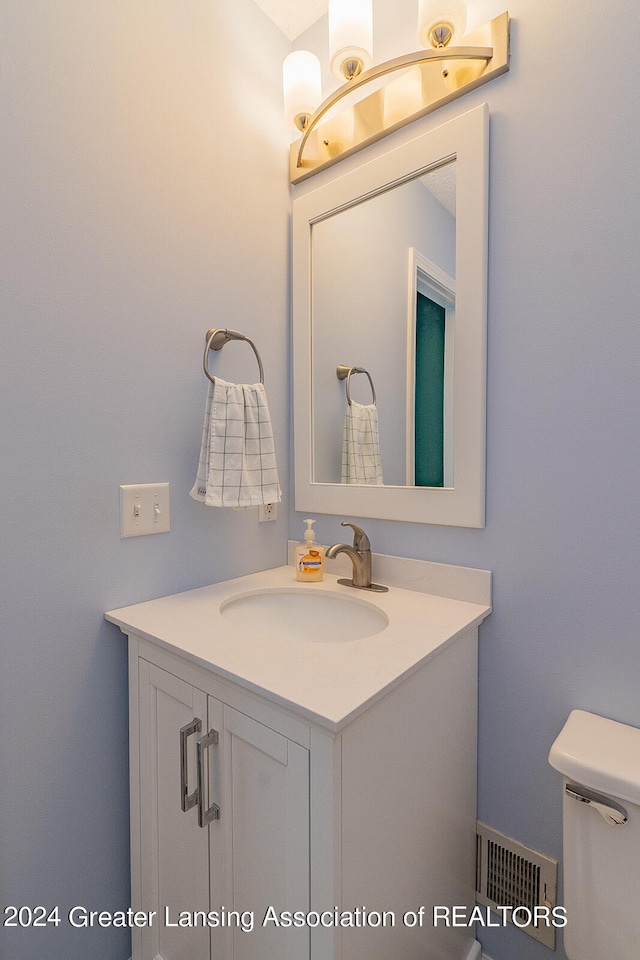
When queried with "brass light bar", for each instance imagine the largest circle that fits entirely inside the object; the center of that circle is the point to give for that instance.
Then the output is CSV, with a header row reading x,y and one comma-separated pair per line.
x,y
431,78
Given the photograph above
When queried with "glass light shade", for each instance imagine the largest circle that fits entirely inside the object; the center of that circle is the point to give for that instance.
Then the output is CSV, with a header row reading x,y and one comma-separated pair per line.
x,y
350,34
302,87
432,12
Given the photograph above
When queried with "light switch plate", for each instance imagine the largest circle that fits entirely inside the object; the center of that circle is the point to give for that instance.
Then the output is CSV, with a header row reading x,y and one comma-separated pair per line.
x,y
144,509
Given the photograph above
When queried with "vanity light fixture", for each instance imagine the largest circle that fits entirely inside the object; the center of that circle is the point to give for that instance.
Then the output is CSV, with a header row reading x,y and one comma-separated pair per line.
x,y
412,85
302,87
350,37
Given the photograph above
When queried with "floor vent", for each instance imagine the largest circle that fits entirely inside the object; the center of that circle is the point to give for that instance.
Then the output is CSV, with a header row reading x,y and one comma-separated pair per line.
x,y
518,883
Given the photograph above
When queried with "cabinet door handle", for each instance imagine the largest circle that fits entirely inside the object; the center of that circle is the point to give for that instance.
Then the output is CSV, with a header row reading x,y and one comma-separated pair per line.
x,y
212,812
186,800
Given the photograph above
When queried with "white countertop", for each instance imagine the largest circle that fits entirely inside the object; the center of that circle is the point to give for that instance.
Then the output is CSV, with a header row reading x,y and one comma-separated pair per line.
x,y
328,682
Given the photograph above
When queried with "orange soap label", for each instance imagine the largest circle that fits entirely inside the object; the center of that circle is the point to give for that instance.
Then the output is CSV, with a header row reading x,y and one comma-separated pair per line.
x,y
309,562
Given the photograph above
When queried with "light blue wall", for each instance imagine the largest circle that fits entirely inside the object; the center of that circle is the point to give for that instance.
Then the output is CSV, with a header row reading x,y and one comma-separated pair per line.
x,y
144,199
562,533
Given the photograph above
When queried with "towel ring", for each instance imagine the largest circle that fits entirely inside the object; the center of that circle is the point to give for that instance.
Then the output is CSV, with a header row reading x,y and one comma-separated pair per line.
x,y
216,339
344,372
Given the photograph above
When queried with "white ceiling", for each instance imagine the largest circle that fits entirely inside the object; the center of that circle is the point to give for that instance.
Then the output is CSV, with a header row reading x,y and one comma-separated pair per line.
x,y
293,16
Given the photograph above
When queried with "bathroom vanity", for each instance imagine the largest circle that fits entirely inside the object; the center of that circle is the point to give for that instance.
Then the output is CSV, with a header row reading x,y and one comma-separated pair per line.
x,y
303,770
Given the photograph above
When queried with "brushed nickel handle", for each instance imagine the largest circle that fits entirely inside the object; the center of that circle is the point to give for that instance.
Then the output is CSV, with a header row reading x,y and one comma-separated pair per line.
x,y
205,816
360,539
610,811
187,800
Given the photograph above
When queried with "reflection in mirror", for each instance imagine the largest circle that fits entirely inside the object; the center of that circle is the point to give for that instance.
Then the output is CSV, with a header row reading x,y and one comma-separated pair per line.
x,y
383,299
390,277
430,340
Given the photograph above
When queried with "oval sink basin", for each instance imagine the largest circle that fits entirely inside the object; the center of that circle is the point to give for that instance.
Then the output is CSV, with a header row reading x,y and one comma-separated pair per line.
x,y
304,614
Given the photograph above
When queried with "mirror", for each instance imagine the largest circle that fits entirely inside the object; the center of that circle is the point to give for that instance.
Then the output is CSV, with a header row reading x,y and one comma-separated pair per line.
x,y
383,298
390,279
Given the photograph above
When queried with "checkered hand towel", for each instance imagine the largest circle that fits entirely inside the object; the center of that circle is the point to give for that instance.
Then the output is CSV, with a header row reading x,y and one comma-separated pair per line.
x,y
361,445
237,465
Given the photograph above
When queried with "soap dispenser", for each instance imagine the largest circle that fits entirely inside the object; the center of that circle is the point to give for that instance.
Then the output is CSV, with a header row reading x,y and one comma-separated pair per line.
x,y
309,557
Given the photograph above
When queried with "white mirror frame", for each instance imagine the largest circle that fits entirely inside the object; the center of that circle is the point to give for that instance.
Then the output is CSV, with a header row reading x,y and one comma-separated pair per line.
x,y
465,139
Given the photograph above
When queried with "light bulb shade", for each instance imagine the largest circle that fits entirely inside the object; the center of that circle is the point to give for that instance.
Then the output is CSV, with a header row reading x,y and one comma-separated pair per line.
x,y
434,12
302,87
350,35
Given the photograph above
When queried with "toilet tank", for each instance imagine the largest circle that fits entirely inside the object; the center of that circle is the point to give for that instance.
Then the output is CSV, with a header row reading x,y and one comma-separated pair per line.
x,y
600,763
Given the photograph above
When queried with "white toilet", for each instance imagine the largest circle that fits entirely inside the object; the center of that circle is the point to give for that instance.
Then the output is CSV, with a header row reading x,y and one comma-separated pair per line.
x,y
600,763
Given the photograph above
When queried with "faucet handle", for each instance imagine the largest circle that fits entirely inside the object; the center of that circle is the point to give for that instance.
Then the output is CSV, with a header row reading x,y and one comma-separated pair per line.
x,y
360,539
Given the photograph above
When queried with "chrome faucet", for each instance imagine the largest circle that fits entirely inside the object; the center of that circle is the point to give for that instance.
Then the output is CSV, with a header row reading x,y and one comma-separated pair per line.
x,y
360,555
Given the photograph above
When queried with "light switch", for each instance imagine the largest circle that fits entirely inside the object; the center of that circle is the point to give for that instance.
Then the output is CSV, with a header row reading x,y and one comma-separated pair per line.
x,y
144,509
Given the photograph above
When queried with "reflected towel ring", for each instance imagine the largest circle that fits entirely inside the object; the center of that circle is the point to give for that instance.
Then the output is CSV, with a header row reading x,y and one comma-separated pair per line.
x,y
216,339
344,372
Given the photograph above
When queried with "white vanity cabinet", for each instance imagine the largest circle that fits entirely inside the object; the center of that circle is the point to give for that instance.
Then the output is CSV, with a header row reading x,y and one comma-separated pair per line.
x,y
235,838
344,774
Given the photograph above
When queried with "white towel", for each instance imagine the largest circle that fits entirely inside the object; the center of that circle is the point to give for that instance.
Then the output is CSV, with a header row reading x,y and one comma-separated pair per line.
x,y
237,465
361,445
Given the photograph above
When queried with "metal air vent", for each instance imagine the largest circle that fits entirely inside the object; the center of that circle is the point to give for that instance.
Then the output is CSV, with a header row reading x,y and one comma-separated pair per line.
x,y
517,882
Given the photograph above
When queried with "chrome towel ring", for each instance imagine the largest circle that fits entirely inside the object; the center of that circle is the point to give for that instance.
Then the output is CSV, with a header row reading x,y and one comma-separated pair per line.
x,y
216,339
344,372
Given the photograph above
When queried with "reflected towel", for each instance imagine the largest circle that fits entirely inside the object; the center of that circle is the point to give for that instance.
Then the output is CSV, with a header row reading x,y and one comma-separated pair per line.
x,y
237,466
361,445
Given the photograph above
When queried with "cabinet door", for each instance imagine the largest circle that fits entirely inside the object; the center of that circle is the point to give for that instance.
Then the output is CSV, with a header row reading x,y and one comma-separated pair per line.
x,y
260,845
174,856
